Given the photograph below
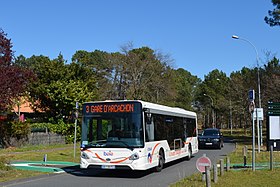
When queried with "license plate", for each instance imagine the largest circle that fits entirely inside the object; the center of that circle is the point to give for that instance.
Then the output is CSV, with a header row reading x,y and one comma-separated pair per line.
x,y
108,167
208,143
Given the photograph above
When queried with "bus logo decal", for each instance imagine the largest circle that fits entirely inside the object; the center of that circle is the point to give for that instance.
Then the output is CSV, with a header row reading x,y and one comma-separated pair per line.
x,y
108,153
150,156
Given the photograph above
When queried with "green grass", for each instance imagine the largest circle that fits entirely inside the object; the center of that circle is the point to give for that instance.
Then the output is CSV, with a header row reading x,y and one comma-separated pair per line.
x,y
15,174
244,138
236,179
59,152
263,177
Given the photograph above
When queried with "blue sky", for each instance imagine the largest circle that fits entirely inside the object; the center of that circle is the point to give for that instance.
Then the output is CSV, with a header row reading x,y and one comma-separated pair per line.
x,y
196,34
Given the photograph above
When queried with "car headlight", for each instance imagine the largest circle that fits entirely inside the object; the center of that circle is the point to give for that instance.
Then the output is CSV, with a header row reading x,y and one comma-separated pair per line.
x,y
216,139
134,156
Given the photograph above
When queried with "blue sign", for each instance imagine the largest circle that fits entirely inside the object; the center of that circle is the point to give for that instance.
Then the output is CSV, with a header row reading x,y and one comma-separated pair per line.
x,y
251,95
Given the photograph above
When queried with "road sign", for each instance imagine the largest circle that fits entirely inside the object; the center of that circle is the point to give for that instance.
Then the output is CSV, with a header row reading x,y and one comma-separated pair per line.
x,y
251,95
251,106
202,162
258,112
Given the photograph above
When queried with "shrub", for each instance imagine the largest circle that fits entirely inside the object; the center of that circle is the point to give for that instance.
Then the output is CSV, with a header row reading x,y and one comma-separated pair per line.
x,y
20,130
4,168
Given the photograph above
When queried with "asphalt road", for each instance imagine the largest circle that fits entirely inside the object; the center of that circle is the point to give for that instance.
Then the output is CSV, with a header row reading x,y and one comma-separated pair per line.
x,y
108,178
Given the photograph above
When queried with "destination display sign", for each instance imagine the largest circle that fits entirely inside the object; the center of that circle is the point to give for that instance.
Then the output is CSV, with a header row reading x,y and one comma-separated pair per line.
x,y
111,107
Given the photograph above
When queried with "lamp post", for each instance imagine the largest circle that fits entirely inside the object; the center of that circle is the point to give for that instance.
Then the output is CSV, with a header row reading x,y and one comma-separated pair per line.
x,y
257,57
213,112
259,126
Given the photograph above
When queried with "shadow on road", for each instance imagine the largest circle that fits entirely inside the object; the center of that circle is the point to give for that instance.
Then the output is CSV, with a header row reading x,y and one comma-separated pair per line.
x,y
77,171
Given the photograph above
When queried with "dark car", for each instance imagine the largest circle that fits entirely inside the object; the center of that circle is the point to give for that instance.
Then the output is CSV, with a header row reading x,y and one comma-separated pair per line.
x,y
211,137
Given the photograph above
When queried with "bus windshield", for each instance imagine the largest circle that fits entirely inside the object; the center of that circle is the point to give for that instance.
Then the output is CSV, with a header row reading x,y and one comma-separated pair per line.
x,y
117,126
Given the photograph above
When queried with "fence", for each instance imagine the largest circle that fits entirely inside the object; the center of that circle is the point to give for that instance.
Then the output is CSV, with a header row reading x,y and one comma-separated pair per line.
x,y
38,138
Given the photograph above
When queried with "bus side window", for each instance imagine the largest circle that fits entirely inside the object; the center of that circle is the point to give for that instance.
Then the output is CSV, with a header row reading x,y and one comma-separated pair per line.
x,y
150,130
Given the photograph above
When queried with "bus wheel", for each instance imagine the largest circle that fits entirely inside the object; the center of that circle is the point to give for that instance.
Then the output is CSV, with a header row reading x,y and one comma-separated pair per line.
x,y
159,167
190,152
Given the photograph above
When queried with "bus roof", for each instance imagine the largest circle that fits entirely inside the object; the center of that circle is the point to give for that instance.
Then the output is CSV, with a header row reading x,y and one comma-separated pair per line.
x,y
156,108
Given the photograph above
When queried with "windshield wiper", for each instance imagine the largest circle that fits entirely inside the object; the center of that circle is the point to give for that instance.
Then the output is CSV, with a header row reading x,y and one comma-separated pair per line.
x,y
124,143
100,143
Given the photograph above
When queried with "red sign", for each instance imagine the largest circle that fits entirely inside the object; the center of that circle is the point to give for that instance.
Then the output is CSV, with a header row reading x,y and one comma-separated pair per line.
x,y
202,162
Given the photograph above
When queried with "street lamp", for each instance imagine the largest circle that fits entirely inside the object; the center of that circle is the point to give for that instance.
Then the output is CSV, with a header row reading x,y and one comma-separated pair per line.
x,y
257,56
259,85
213,112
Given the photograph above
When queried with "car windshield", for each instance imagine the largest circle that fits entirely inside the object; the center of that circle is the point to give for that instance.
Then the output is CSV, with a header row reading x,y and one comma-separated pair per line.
x,y
211,133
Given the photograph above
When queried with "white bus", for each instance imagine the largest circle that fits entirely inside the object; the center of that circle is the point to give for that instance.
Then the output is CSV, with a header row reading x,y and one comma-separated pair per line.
x,y
135,135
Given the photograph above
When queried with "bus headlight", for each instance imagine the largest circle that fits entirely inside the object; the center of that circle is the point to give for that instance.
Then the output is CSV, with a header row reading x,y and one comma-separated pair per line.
x,y
84,155
134,156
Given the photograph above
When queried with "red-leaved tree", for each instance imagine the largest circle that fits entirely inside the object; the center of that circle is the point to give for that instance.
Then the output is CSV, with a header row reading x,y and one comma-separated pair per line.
x,y
13,79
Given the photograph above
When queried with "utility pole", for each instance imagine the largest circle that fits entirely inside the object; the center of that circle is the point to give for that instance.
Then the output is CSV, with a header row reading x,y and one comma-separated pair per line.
x,y
230,116
75,133
252,109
